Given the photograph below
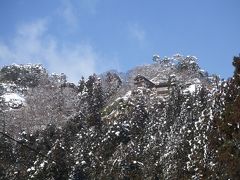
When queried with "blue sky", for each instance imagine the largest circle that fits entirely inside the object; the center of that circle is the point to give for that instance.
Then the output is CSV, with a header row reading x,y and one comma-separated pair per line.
x,y
79,37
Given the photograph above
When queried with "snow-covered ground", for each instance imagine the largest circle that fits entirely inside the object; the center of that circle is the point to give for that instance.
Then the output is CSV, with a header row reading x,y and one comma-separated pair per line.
x,y
13,100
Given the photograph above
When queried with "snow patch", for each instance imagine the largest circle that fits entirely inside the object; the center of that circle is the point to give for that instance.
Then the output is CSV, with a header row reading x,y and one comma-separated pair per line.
x,y
127,95
190,89
14,100
117,133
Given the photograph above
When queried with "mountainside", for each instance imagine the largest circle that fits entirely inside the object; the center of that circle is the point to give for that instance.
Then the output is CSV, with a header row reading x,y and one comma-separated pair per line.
x,y
166,120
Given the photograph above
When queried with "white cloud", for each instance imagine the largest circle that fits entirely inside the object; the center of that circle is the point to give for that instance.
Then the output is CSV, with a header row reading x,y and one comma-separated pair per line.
x,y
72,11
69,13
137,33
90,5
5,53
33,44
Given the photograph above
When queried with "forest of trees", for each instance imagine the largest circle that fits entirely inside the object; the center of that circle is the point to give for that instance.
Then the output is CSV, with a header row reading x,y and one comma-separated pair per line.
x,y
107,128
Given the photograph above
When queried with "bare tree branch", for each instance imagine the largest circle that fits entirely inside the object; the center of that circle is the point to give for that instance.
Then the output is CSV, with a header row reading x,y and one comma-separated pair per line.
x,y
24,145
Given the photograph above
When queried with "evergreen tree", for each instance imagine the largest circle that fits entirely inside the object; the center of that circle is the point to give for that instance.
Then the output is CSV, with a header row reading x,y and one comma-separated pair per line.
x,y
225,137
81,85
94,100
7,158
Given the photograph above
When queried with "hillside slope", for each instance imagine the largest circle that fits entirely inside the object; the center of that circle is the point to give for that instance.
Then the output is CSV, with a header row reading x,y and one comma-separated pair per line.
x,y
166,120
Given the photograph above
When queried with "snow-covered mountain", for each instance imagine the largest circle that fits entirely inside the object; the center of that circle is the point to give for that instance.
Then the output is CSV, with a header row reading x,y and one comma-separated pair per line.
x,y
166,120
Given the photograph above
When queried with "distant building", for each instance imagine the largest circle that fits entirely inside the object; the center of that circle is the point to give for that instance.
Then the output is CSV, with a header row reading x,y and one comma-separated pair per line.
x,y
142,81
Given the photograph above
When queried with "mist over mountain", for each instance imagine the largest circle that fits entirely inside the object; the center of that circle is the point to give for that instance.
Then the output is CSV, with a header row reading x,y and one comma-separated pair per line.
x,y
166,120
